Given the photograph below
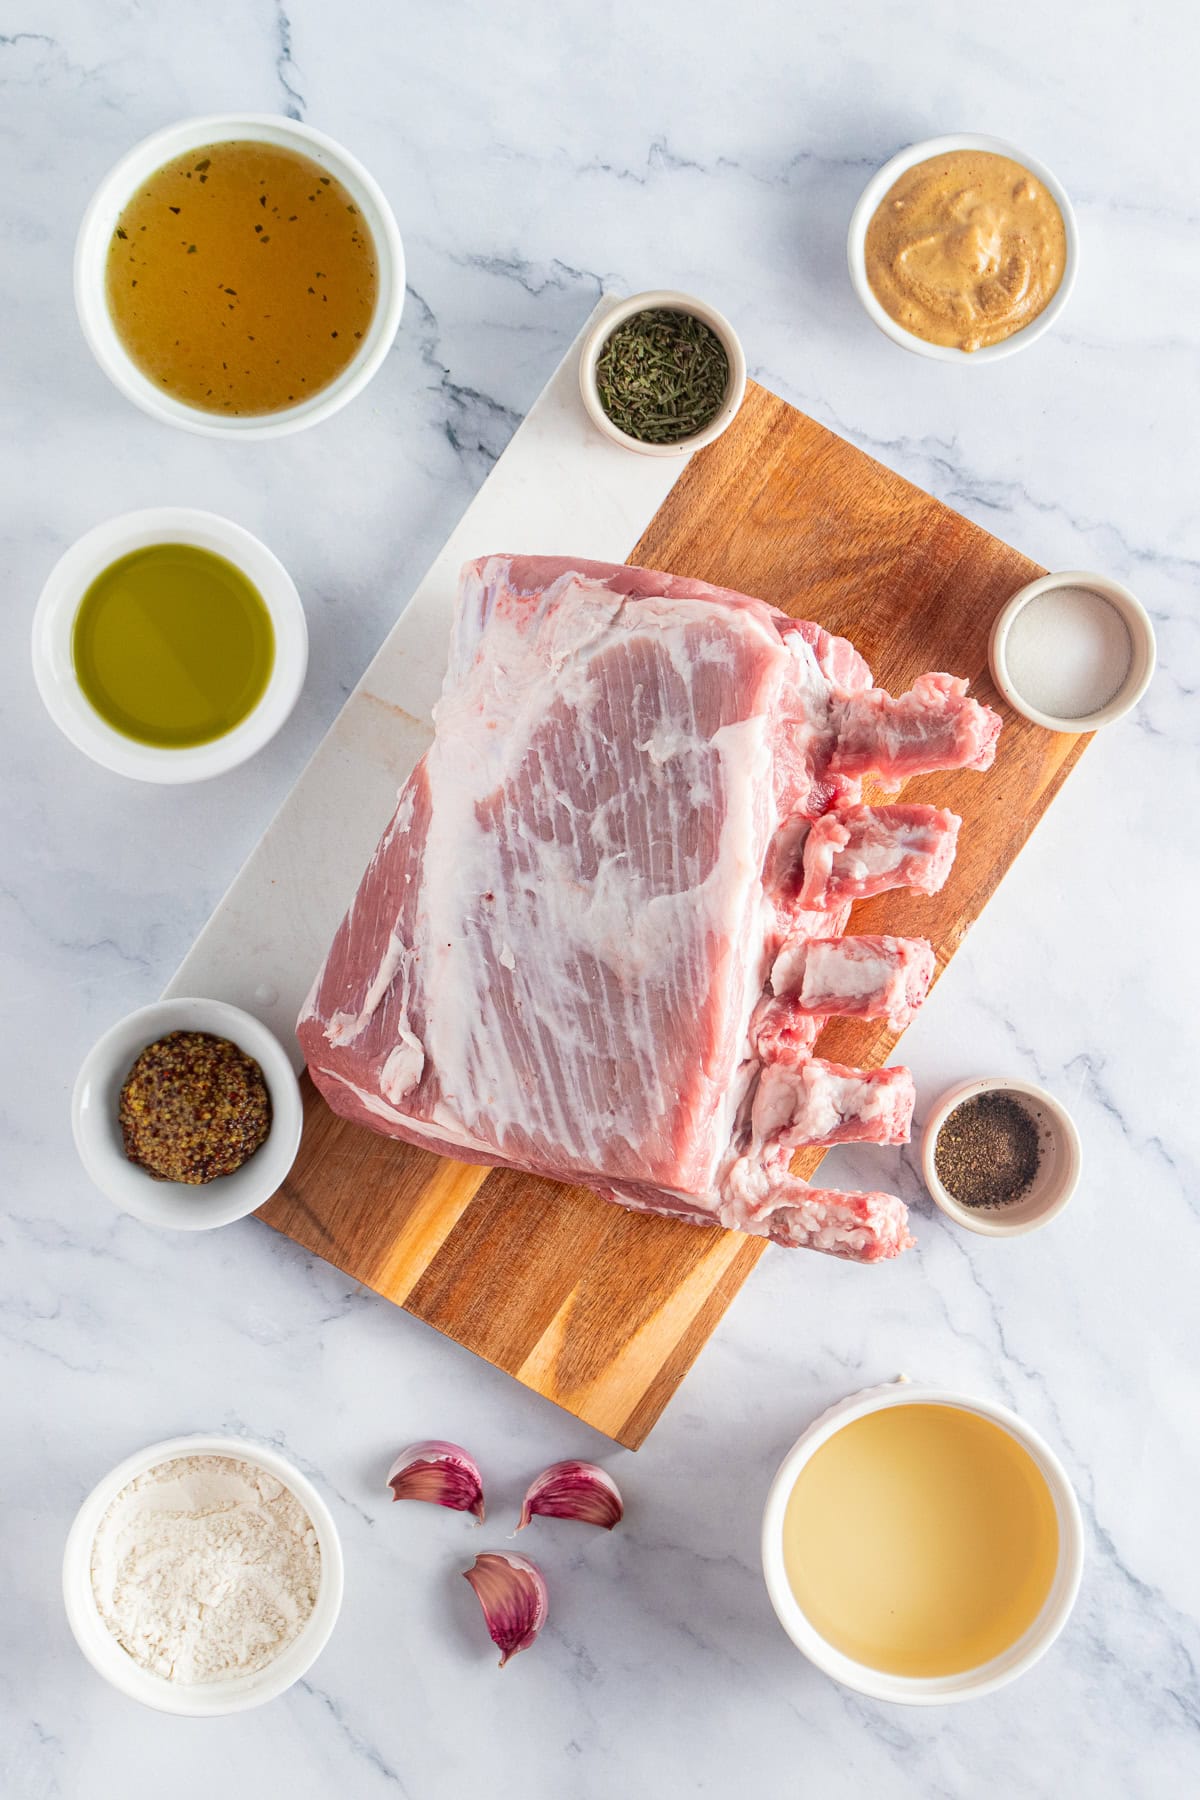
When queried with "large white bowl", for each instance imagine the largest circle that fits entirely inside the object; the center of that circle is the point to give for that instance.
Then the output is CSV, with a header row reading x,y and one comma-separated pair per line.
x,y
175,1204
110,200
908,1689
54,661
868,204
207,1699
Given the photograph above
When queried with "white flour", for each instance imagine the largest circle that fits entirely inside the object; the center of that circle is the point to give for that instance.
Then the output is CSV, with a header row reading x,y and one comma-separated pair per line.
x,y
205,1567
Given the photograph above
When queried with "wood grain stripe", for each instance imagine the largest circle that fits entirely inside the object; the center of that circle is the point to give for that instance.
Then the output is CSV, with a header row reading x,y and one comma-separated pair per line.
x,y
633,1369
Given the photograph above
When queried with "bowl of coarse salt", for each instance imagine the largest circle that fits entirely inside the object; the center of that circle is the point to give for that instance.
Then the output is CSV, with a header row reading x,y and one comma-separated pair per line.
x,y
203,1576
1072,652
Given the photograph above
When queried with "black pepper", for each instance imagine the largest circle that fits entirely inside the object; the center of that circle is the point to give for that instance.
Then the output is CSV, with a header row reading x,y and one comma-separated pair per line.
x,y
988,1151
193,1107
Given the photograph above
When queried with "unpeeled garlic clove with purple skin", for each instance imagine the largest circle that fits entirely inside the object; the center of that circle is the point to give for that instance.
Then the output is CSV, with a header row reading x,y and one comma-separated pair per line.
x,y
439,1472
574,1490
512,1592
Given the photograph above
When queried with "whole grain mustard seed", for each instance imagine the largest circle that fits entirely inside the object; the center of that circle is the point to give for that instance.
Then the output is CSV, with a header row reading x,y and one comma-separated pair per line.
x,y
988,1151
193,1107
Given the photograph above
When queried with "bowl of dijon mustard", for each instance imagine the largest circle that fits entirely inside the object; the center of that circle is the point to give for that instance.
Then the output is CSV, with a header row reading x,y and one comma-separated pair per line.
x,y
963,248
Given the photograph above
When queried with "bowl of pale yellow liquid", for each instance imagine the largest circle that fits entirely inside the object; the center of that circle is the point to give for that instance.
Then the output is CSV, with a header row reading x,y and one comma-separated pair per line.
x,y
920,1546
169,645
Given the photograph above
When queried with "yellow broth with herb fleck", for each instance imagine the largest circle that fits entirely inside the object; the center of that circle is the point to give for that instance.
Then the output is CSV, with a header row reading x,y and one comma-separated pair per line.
x,y
242,278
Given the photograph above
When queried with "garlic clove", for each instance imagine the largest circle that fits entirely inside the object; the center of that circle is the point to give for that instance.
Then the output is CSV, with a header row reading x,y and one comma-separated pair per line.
x,y
512,1592
439,1472
574,1490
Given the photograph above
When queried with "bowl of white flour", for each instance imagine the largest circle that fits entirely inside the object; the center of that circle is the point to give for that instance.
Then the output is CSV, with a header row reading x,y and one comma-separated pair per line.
x,y
203,1576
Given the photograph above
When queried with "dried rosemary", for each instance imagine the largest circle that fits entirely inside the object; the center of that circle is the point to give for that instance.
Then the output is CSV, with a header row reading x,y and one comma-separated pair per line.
x,y
662,376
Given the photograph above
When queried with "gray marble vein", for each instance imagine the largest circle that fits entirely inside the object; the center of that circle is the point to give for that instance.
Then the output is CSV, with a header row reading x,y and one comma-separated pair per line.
x,y
285,67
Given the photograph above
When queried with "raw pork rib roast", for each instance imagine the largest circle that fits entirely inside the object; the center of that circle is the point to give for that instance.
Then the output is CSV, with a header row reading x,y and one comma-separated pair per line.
x,y
600,934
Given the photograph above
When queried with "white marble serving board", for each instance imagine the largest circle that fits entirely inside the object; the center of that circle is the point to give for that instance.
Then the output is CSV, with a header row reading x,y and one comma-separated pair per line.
x,y
560,488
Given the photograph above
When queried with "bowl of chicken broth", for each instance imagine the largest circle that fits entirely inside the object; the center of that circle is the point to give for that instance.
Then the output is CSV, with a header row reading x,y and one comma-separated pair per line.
x,y
920,1545
239,275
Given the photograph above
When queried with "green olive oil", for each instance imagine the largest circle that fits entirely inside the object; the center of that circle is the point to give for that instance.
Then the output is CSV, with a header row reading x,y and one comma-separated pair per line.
x,y
173,646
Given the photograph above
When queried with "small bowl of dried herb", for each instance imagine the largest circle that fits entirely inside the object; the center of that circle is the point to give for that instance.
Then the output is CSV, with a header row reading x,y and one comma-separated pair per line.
x,y
662,373
1000,1156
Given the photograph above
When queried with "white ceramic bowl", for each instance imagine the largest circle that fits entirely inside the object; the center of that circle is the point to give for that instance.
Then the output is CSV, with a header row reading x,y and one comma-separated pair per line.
x,y
923,1690
54,663
672,301
174,1204
1057,1176
208,1699
114,193
1142,646
865,211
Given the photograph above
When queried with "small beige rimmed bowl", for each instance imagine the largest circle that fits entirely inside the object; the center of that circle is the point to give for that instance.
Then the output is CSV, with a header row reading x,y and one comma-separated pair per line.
x,y
54,660
144,160
174,1204
868,205
669,300
910,1690
1142,650
1058,1172
211,1698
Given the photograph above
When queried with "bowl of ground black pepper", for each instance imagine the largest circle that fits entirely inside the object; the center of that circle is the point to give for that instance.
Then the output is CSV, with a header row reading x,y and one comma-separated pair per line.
x,y
662,373
187,1114
1000,1156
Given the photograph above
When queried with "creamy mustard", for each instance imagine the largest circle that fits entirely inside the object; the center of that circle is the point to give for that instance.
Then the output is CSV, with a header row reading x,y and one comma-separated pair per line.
x,y
965,249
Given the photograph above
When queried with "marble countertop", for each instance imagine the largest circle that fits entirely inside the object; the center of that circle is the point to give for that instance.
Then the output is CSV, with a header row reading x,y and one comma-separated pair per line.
x,y
535,154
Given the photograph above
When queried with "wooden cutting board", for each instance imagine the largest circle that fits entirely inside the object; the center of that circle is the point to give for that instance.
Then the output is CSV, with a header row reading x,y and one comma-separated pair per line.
x,y
600,1310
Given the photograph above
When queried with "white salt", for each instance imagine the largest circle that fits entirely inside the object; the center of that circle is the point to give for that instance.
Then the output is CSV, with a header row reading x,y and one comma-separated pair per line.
x,y
1068,652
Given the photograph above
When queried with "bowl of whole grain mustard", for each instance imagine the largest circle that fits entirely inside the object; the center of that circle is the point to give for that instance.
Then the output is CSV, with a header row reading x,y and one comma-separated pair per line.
x,y
187,1113
963,249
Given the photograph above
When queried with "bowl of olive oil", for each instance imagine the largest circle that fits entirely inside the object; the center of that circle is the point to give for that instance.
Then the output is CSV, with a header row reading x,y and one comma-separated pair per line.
x,y
240,275
169,645
922,1546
